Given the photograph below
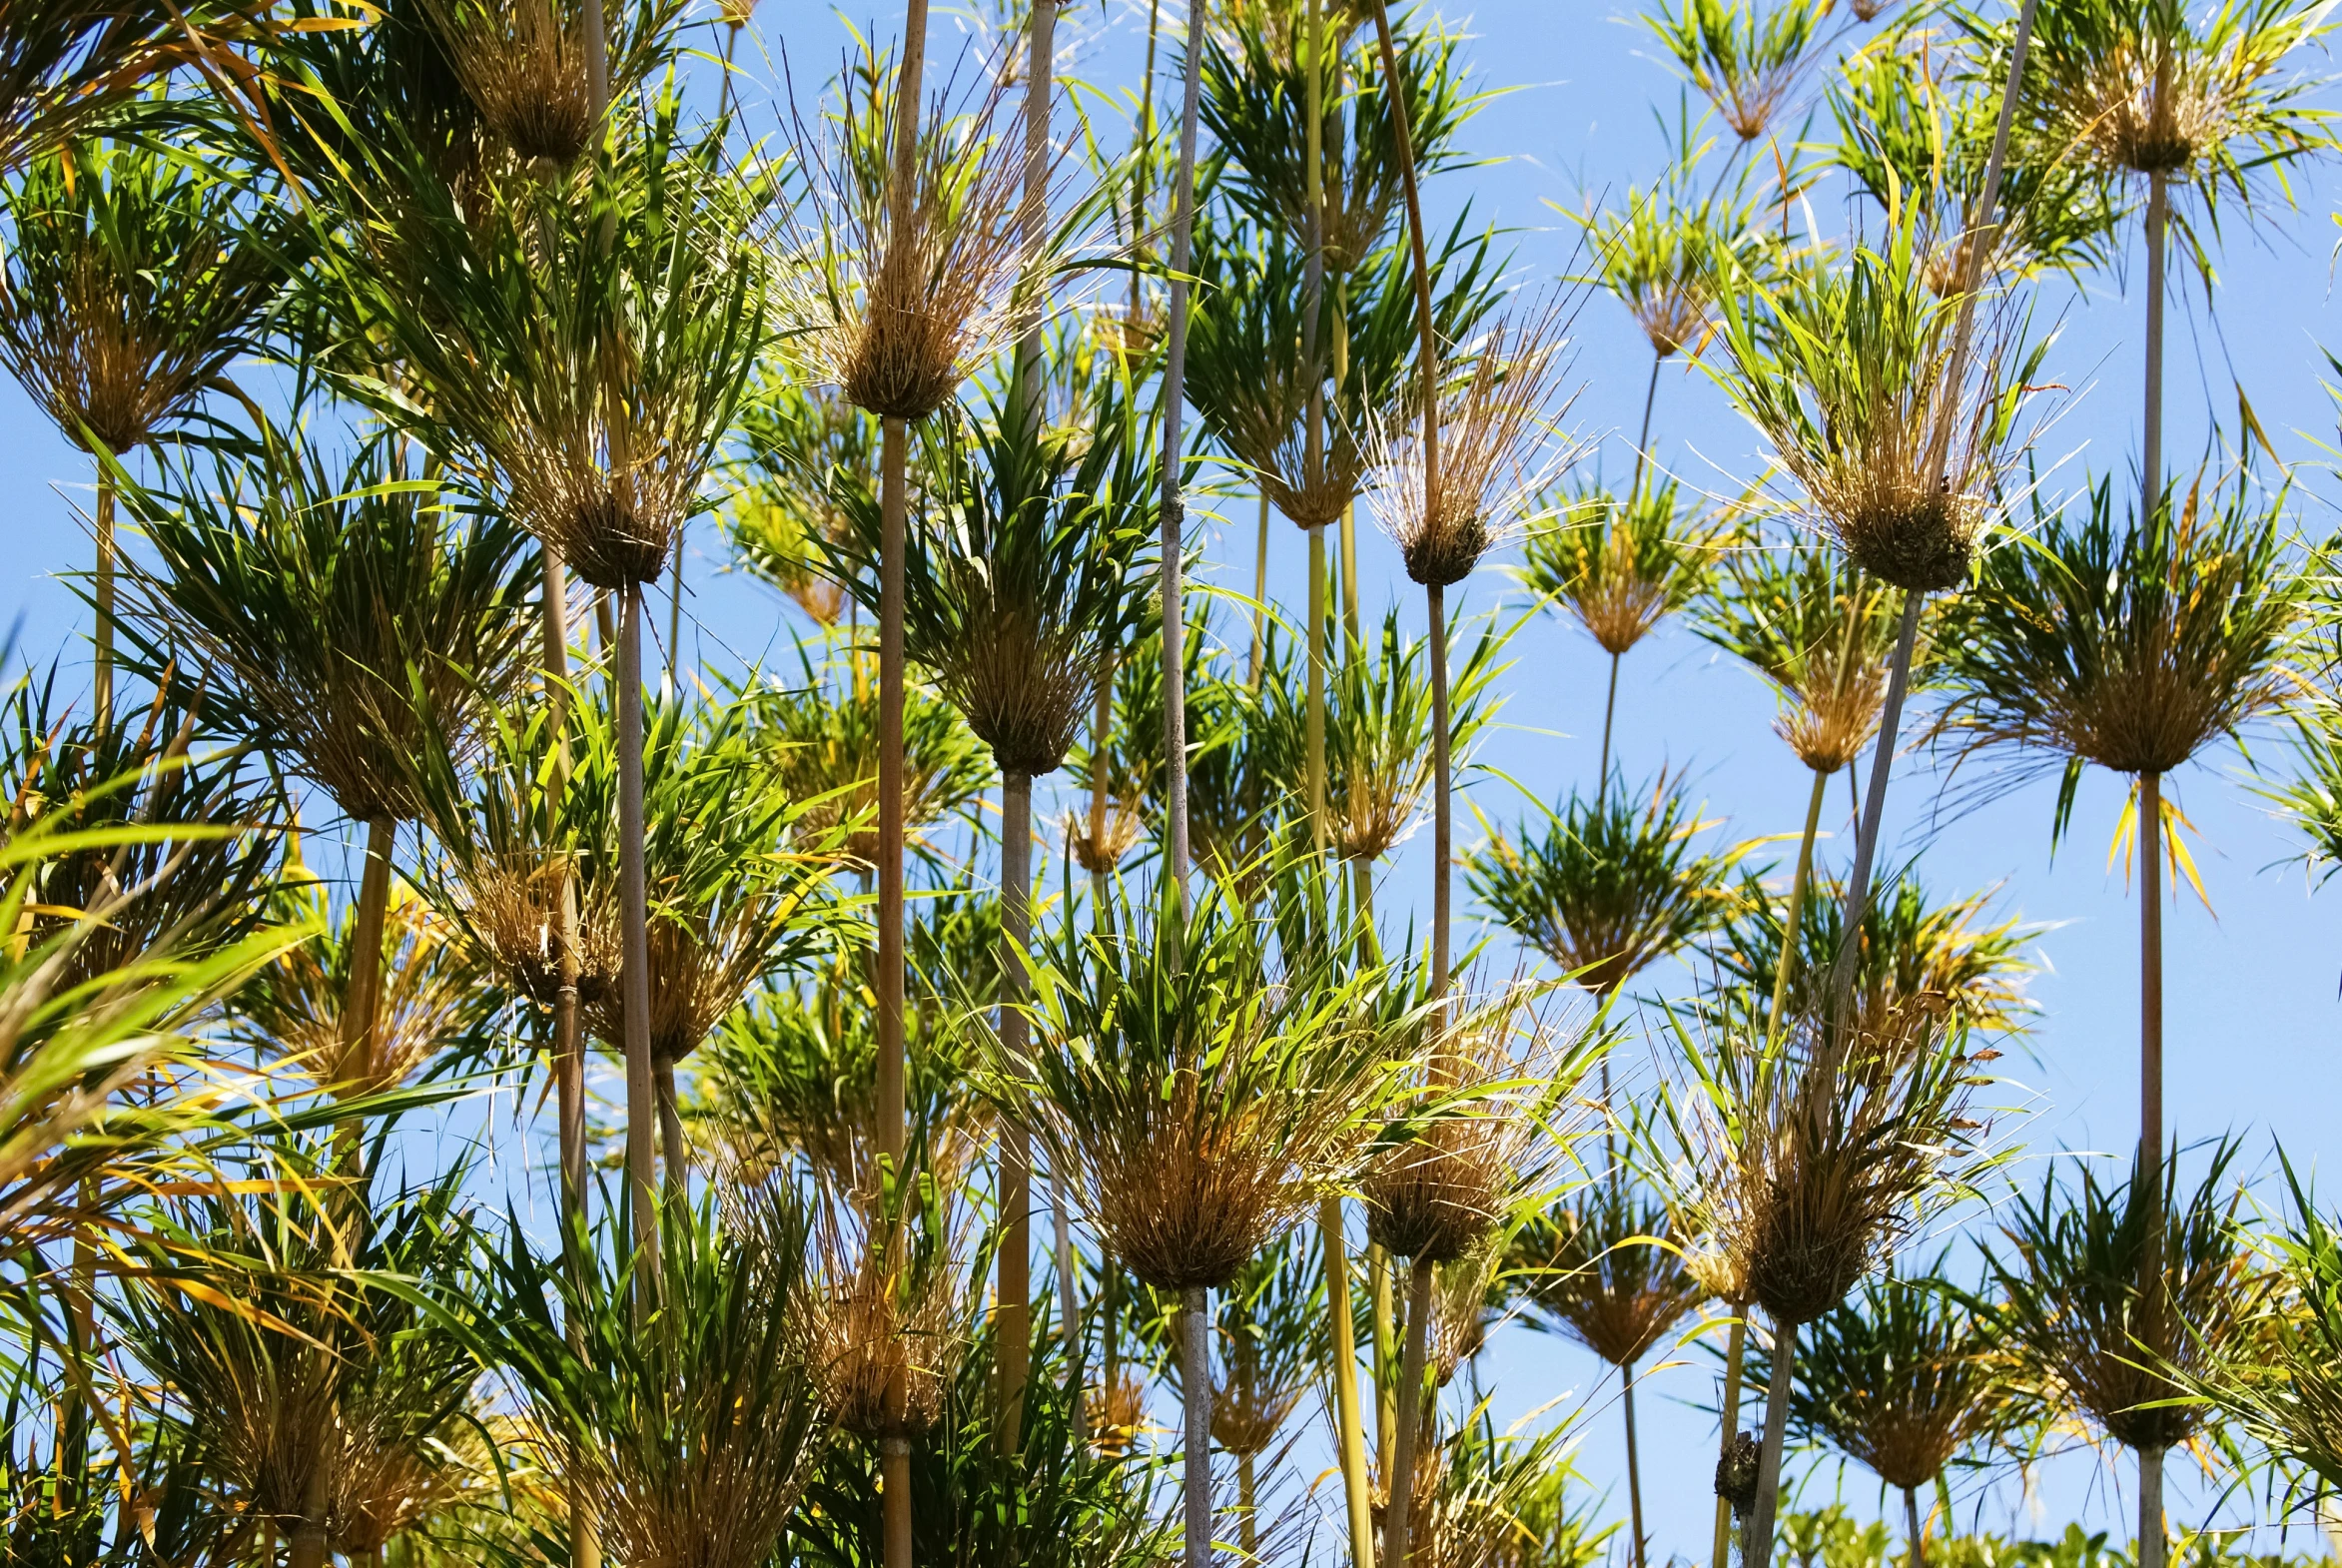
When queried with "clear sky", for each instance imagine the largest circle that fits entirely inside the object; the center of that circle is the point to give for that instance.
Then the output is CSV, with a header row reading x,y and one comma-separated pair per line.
x,y
2251,981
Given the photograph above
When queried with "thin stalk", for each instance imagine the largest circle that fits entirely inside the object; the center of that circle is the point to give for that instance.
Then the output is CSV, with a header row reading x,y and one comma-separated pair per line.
x,y
102,680
1758,1551
894,1482
306,1541
1040,58
2153,1548
1633,1466
2150,459
1174,377
361,1004
1609,712
1866,846
1196,1386
568,1044
672,1152
1013,1289
1068,1304
1248,1527
894,441
1735,1349
2152,1287
674,618
634,967
1314,723
1442,793
1857,887
1401,1481
1100,738
1386,1354
1403,140
1798,881
1144,135
1348,1429
1259,601
1634,491
1912,1532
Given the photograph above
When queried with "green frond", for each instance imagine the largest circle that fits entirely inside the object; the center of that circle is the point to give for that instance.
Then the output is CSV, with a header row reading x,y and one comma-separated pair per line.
x,y
1610,886
1620,567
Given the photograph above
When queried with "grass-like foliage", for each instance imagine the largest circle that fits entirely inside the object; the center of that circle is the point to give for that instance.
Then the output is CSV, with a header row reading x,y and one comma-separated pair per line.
x,y
1816,1159
1958,954
1022,567
1619,566
2109,1317
1603,1268
1746,59
133,283
334,612
1610,886
1894,425
298,1340
2131,645
1198,1083
1819,632
693,1421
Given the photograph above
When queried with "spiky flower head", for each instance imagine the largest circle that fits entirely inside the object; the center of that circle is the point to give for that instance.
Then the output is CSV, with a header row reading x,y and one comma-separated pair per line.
x,y
1199,1084
1895,415
336,612
1820,1155
131,283
1495,448
905,291
1611,886
1619,568
2141,87
2133,647
1820,632
1606,1268
1746,59
1474,1135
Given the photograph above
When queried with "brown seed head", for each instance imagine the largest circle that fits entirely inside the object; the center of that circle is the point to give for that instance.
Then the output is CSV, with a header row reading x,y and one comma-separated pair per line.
x,y
523,64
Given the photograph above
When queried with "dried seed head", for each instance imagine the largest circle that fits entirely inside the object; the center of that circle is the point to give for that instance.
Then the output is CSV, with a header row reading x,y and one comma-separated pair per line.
x,y
1494,450
910,290
523,64
1117,1412
513,903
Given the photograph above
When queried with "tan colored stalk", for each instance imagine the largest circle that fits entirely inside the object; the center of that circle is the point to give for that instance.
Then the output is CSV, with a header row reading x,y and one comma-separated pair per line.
x,y
894,458
1735,1360
1014,1287
1259,600
634,960
103,678
568,1044
1014,1335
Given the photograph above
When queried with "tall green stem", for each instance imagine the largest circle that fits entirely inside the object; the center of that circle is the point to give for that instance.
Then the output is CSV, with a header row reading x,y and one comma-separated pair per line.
x,y
1349,1431
1195,1388
1634,491
1634,1464
634,967
1794,922
1609,712
1171,545
1014,1340
1759,1547
1735,1358
1397,1530
103,678
1259,602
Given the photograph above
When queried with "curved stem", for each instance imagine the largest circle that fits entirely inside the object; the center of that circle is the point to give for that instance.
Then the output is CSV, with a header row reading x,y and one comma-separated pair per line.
x,y
1402,144
1793,922
1633,490
1858,882
1069,1306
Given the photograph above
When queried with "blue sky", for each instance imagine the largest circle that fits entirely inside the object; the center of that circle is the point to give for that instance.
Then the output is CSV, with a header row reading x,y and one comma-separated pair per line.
x,y
2251,983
